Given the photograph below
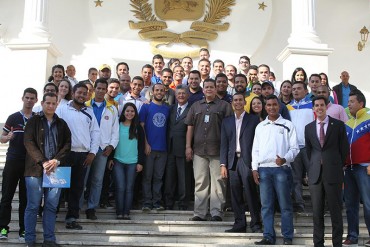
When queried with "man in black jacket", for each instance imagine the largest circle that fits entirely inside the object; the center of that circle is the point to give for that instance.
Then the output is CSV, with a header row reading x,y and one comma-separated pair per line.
x,y
47,139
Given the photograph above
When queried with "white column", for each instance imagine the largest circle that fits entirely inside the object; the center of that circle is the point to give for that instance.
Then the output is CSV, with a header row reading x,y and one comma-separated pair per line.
x,y
304,47
303,23
35,21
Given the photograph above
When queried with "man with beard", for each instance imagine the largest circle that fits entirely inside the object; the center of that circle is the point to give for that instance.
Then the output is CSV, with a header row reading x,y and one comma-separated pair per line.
x,y
105,71
85,144
166,79
230,72
153,118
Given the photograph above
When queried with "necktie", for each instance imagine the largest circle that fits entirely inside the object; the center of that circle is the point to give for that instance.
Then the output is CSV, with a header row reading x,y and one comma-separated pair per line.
x,y
322,134
178,113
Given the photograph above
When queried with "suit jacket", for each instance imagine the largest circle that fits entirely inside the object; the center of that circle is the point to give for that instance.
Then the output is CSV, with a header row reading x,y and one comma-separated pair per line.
x,y
177,131
228,139
333,154
338,90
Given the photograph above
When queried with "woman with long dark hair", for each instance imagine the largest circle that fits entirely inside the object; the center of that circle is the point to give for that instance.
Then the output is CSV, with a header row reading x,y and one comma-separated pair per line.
x,y
257,107
57,74
299,74
129,158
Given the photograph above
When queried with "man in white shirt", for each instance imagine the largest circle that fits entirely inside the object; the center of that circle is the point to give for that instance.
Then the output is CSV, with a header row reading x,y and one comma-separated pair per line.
x,y
133,96
106,115
85,144
271,170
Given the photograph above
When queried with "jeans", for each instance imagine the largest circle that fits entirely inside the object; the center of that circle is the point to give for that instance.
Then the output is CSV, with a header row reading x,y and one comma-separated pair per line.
x,y
78,171
356,186
51,200
153,178
124,178
276,181
12,173
96,175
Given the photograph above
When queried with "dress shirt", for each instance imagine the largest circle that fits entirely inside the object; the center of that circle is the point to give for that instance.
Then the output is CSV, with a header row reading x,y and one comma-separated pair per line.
x,y
183,107
271,139
326,124
238,125
127,97
337,112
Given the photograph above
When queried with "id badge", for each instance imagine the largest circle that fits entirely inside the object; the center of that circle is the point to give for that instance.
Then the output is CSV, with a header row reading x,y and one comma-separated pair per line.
x,y
206,118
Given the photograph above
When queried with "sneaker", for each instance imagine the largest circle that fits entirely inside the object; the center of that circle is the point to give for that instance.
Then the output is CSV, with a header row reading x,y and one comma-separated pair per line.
x,y
349,242
4,234
146,209
50,244
158,207
21,236
73,225
367,243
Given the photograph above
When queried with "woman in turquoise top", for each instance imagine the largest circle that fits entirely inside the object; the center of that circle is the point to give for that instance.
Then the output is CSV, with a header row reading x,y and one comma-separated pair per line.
x,y
129,158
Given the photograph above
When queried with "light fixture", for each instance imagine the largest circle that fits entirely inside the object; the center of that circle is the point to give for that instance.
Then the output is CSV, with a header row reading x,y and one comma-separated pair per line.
x,y
364,35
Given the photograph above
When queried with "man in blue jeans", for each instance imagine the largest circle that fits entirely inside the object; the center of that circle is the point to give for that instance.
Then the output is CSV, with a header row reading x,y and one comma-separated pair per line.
x,y
107,117
357,172
271,170
47,140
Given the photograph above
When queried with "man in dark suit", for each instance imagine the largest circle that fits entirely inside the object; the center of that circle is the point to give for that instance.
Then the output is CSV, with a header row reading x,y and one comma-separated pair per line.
x,y
237,133
177,174
92,76
327,149
343,89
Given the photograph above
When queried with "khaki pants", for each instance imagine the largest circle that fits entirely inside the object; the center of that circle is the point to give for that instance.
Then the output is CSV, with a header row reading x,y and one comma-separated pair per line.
x,y
210,188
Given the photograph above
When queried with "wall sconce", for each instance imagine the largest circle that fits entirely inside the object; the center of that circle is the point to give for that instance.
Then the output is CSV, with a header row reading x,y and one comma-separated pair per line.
x,y
364,35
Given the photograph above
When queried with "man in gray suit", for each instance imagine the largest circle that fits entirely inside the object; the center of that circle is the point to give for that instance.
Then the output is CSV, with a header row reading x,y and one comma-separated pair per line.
x,y
327,149
176,170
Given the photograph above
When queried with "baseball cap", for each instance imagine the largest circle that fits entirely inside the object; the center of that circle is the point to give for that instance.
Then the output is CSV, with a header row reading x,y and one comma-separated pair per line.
x,y
104,66
268,83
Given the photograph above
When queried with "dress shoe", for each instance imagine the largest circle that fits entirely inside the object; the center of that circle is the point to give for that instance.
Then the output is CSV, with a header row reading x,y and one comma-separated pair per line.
x,y
216,218
90,214
236,230
287,241
264,241
73,226
197,218
257,230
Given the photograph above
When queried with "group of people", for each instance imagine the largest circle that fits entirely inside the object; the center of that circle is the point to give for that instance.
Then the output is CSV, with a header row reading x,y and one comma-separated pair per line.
x,y
228,134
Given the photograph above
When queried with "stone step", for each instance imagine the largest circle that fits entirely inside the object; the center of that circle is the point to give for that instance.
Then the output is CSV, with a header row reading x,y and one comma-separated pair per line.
x,y
118,237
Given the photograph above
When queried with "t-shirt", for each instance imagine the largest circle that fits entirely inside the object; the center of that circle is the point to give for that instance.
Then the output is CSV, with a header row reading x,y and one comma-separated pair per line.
x,y
16,149
155,119
126,151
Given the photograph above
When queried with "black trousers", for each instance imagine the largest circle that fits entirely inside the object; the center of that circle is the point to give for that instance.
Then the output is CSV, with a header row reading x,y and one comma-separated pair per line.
x,y
243,186
333,194
176,177
12,174
78,172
